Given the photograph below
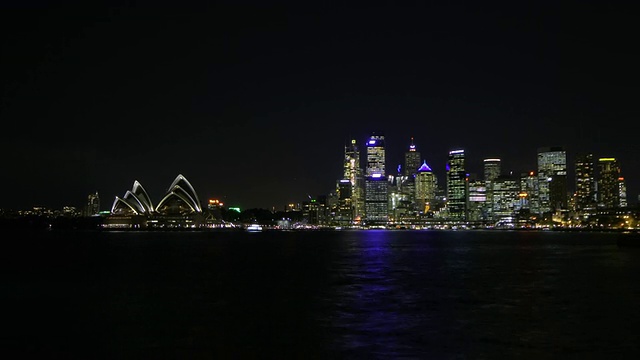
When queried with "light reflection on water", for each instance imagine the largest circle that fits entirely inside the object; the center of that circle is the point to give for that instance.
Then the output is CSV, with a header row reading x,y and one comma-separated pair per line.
x,y
344,294
480,295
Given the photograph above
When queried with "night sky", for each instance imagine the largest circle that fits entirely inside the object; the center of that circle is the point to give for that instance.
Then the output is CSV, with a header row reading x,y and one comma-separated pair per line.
x,y
254,101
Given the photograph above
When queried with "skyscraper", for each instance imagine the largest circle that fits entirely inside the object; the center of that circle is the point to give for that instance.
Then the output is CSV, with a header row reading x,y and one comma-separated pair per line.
x,y
425,188
93,205
622,186
529,192
492,169
552,178
608,183
345,211
376,155
585,182
456,185
506,197
411,160
353,173
376,186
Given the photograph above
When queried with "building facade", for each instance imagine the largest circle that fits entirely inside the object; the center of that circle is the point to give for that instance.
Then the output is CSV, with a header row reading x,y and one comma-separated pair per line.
x,y
411,160
425,188
353,173
456,185
585,196
552,179
492,169
376,185
608,183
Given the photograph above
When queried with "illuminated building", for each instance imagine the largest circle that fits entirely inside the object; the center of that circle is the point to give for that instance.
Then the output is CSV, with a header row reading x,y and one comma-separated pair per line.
x,y
411,160
529,192
608,183
134,202
376,155
180,199
93,205
552,178
456,185
353,173
179,208
622,190
477,203
492,169
400,197
585,198
345,211
376,186
506,197
214,204
315,211
425,188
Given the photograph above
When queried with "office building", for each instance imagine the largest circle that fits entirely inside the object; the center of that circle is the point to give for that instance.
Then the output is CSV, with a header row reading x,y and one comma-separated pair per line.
x,y
456,185
552,179
608,183
492,169
376,186
93,205
411,160
585,177
353,173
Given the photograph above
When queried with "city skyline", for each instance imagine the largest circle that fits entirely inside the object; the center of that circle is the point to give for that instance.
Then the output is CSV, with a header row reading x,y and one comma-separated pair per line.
x,y
485,170
255,102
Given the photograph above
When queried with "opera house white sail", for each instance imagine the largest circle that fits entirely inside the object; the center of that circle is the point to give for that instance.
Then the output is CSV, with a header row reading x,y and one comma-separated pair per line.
x,y
134,202
180,206
181,198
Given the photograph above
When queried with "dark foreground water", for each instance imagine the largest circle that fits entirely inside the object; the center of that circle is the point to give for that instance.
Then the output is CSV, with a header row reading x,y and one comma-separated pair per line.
x,y
320,295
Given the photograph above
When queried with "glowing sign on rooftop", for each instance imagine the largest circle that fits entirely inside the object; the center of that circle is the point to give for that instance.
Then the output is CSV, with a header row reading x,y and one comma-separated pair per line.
x,y
424,167
372,142
376,176
456,152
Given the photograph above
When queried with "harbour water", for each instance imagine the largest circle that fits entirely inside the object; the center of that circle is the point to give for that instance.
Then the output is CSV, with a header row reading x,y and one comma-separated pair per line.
x,y
369,294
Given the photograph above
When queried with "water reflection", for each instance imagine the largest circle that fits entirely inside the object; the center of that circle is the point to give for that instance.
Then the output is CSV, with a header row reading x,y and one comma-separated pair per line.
x,y
375,316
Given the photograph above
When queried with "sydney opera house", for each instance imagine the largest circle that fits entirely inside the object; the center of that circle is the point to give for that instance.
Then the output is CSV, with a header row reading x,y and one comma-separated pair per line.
x,y
178,208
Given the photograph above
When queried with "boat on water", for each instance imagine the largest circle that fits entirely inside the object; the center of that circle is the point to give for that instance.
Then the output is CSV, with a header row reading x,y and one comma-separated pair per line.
x,y
254,228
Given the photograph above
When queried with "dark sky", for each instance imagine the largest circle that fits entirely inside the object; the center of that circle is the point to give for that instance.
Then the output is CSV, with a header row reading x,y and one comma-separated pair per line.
x,y
254,101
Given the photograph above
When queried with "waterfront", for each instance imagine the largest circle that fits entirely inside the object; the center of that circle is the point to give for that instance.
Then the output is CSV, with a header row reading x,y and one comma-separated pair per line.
x,y
321,294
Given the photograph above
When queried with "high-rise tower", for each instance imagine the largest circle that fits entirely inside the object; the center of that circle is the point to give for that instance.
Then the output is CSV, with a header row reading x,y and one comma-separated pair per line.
x,y
425,188
93,204
608,183
376,185
585,182
492,169
552,178
622,190
353,173
411,160
376,155
457,185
